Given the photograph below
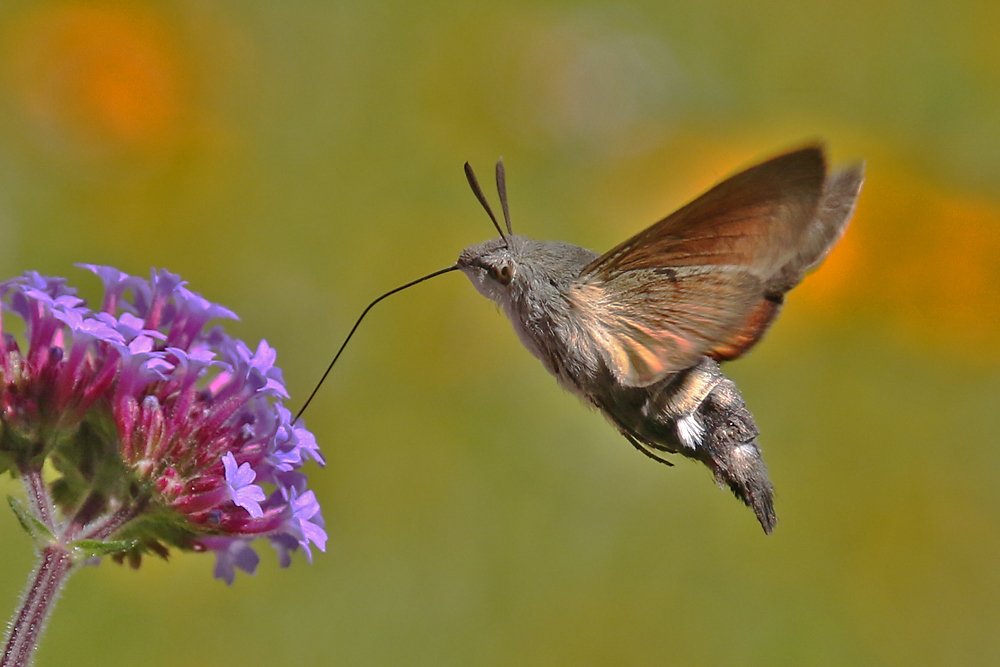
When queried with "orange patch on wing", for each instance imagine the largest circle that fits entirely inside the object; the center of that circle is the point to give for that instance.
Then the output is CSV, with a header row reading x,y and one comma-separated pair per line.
x,y
751,331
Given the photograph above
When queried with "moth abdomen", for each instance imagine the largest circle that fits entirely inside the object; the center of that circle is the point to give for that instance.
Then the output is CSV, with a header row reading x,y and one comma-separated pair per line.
x,y
730,450
699,413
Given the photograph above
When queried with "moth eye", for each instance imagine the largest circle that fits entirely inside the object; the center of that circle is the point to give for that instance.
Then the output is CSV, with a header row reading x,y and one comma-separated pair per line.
x,y
502,273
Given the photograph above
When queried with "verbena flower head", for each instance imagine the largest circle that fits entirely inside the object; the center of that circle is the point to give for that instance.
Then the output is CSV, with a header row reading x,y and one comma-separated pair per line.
x,y
164,430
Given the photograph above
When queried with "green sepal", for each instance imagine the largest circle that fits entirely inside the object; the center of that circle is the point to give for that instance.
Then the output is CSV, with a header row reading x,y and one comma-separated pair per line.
x,y
35,529
154,531
82,550
89,463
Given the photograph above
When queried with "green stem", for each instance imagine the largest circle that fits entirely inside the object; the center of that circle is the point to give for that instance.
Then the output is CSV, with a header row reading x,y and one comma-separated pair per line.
x,y
39,599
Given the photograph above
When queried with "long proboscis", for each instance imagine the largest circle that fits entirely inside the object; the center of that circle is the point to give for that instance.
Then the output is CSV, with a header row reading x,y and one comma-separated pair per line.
x,y
329,368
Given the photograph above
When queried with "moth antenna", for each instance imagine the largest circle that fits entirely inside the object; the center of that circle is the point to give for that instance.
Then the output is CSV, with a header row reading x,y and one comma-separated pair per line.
x,y
478,191
502,189
329,368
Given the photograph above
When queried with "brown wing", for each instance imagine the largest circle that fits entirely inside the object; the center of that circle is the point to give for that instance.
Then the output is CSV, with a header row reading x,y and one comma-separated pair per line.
x,y
646,323
754,219
709,278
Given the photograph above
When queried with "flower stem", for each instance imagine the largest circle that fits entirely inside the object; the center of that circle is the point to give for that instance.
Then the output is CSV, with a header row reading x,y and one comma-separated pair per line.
x,y
38,496
51,573
105,527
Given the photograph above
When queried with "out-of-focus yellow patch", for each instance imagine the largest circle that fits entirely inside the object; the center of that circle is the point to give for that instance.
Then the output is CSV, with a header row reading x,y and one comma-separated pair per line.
x,y
97,80
921,256
951,291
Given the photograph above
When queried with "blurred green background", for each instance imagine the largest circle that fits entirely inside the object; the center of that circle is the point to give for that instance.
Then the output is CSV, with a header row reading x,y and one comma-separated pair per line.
x,y
294,160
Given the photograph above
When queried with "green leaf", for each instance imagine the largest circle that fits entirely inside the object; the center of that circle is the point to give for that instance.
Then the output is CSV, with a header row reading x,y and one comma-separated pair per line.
x,y
37,530
85,549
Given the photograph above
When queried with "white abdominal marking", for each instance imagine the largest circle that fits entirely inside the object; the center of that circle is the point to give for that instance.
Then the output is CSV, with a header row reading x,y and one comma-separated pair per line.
x,y
690,431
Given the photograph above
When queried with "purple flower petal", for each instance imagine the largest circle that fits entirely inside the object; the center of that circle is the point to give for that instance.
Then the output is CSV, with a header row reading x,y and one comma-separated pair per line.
x,y
306,518
231,554
239,481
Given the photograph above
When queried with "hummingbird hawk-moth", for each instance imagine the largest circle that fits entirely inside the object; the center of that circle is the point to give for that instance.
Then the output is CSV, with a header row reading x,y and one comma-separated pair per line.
x,y
638,332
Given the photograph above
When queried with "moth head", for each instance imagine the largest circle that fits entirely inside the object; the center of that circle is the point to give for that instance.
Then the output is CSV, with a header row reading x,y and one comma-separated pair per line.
x,y
491,266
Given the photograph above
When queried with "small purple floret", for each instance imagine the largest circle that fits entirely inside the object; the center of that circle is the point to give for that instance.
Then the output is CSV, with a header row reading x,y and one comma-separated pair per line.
x,y
239,482
232,555
307,522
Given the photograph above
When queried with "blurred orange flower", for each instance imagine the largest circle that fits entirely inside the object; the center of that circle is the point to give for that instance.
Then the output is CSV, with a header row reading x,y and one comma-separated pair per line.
x,y
98,79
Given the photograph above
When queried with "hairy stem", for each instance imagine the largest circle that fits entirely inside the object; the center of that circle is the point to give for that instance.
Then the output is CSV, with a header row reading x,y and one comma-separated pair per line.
x,y
106,527
38,601
38,497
